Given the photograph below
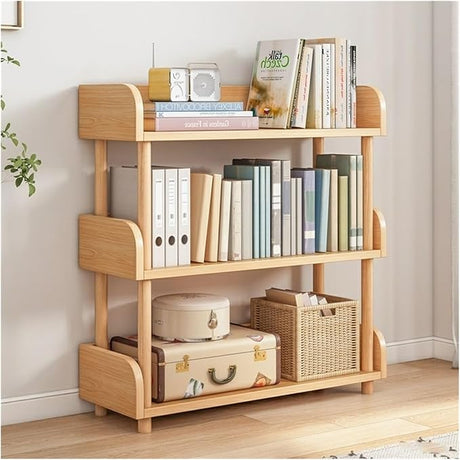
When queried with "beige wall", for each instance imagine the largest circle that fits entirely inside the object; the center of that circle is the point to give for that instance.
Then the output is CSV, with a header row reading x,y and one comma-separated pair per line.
x,y
47,307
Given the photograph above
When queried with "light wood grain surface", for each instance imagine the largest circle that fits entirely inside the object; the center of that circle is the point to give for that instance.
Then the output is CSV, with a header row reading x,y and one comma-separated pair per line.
x,y
419,398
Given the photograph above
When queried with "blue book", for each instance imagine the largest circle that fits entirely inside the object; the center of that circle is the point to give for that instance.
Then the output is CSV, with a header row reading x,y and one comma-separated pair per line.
x,y
193,106
322,185
307,176
252,173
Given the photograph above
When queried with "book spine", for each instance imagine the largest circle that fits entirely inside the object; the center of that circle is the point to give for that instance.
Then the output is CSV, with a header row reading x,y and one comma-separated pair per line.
x,y
299,215
285,207
224,220
246,220
179,114
333,89
326,88
332,228
314,111
322,184
341,83
359,202
348,83
234,245
299,114
203,106
293,216
353,86
205,123
343,213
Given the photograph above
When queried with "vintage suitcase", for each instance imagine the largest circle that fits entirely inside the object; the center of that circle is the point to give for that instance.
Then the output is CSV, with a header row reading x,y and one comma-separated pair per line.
x,y
246,358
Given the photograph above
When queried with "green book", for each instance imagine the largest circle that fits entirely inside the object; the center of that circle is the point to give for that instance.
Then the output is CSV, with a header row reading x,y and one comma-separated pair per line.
x,y
343,213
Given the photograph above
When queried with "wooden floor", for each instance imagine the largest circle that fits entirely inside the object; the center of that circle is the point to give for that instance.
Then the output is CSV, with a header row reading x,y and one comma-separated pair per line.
x,y
419,398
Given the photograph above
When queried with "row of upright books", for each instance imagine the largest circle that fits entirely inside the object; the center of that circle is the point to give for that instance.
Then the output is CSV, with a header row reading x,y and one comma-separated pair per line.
x,y
198,116
255,208
304,83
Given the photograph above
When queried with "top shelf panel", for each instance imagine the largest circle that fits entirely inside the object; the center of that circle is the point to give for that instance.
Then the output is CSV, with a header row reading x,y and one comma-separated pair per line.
x,y
116,112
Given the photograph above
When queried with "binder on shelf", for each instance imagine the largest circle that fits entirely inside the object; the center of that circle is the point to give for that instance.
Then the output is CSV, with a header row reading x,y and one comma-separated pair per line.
x,y
171,248
201,187
183,216
224,221
212,238
158,217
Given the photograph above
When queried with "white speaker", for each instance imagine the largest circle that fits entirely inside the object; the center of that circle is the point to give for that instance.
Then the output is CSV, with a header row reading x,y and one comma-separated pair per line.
x,y
204,82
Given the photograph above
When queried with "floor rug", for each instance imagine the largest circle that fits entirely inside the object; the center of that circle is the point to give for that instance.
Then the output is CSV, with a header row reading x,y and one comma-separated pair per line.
x,y
441,446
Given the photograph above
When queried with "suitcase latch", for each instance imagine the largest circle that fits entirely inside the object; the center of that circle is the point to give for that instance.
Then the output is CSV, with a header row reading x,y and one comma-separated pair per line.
x,y
259,355
183,366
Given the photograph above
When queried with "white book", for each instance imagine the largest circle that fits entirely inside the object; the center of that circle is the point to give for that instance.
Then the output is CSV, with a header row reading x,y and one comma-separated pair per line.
x,y
314,112
212,237
326,88
333,100
158,217
234,243
299,204
341,75
348,83
299,110
171,251
188,114
246,219
359,202
183,216
293,216
224,220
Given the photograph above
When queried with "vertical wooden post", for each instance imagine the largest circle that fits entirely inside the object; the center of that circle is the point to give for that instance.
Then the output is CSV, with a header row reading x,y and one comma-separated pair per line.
x,y
100,279
318,269
144,315
367,266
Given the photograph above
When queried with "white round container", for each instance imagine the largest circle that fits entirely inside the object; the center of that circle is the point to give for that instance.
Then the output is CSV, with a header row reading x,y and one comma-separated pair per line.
x,y
191,317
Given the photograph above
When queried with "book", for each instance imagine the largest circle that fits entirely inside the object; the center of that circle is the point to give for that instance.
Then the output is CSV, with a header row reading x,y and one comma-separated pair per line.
x,y
179,114
200,123
307,175
346,166
285,207
333,223
212,237
322,185
246,220
251,172
293,216
234,239
359,202
326,91
273,81
266,210
315,105
339,68
224,220
343,213
200,189
353,84
275,210
183,216
286,296
298,181
302,91
192,106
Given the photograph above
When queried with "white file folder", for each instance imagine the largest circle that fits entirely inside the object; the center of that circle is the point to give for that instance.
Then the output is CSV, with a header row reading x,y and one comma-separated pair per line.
x,y
183,216
158,218
171,252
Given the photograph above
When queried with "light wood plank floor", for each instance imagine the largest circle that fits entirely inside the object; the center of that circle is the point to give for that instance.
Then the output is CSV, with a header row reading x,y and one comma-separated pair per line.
x,y
419,398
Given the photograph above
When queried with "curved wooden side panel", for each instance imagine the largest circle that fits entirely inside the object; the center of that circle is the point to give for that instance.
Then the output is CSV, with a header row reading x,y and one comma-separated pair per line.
x,y
110,112
380,353
111,380
371,109
111,246
380,232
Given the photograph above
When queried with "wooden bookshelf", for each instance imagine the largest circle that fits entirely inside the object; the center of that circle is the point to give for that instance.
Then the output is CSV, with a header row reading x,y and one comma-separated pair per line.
x,y
121,248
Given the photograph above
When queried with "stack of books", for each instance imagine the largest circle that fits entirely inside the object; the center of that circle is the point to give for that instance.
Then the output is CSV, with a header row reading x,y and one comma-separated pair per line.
x,y
304,83
198,116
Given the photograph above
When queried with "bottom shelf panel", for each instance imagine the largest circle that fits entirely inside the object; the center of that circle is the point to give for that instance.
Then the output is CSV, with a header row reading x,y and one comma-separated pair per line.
x,y
285,387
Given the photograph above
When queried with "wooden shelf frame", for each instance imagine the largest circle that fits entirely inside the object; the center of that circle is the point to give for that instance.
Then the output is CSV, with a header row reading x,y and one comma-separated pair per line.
x,y
122,248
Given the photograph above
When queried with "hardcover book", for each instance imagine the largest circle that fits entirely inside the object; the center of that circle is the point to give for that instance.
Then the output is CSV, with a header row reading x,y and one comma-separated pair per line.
x,y
273,81
200,123
195,106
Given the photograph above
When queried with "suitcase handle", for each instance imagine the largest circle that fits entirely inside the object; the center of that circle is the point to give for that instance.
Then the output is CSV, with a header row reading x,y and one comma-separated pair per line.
x,y
229,378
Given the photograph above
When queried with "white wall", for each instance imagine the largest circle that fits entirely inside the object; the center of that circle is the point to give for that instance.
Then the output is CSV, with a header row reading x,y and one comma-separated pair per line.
x,y
47,307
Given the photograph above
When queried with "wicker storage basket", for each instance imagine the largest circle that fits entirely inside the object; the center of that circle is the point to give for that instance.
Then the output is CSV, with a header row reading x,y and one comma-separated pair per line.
x,y
312,345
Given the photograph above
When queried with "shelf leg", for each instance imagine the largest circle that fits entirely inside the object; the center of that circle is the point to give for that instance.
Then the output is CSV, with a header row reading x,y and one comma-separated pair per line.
x,y
100,279
367,326
144,311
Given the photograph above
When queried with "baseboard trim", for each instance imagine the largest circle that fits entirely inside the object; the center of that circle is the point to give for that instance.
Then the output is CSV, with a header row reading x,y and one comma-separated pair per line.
x,y
67,402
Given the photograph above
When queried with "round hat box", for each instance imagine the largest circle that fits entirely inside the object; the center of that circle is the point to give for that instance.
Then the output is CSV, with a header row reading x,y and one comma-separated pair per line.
x,y
191,317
